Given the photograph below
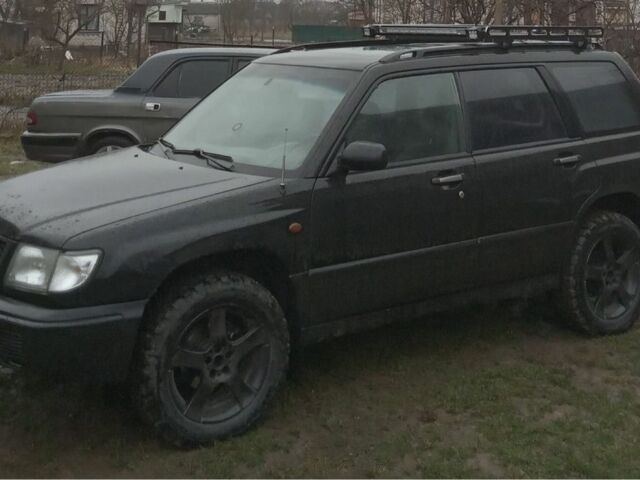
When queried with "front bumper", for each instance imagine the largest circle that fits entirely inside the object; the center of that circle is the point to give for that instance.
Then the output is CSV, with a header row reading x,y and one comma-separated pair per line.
x,y
92,344
50,147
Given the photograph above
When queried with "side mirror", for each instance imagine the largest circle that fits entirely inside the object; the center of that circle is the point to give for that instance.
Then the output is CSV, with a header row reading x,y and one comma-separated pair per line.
x,y
363,156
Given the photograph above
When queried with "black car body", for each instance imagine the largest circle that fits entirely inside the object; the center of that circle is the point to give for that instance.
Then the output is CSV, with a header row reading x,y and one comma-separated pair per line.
x,y
65,125
491,195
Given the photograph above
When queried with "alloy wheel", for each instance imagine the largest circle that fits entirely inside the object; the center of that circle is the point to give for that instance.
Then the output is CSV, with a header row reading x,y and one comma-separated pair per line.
x,y
612,275
219,364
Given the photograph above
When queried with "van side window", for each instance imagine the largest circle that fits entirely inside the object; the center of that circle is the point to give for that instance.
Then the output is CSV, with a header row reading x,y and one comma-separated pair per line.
x,y
510,106
599,94
413,117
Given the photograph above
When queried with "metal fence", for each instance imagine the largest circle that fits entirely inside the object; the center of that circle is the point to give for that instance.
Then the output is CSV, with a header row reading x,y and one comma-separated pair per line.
x,y
36,73
41,71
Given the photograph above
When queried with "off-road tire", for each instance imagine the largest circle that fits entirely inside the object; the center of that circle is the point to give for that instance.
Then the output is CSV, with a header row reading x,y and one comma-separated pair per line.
x,y
117,141
166,318
574,297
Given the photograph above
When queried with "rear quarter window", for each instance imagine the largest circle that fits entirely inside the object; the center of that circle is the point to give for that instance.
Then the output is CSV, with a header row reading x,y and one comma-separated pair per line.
x,y
600,96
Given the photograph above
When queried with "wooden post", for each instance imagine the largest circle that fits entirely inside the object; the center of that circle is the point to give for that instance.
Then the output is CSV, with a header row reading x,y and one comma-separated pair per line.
x,y
498,18
447,11
141,12
101,46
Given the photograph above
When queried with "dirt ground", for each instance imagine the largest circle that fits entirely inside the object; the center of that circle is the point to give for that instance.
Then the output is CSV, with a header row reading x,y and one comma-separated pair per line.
x,y
485,392
481,392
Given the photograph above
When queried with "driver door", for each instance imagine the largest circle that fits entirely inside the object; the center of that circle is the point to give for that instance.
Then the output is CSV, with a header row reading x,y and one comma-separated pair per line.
x,y
408,232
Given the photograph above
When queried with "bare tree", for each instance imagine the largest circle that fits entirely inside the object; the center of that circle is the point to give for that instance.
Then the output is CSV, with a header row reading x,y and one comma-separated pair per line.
x,y
116,18
11,9
236,18
59,21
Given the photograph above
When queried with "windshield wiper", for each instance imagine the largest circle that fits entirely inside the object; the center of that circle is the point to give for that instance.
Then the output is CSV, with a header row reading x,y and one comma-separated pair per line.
x,y
211,158
170,148
167,144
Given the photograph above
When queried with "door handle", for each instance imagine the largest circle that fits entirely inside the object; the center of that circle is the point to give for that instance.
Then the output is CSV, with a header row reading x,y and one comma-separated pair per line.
x,y
447,180
568,161
152,107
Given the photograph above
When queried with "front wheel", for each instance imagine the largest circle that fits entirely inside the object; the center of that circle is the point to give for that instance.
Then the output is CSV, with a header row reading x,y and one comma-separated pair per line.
x,y
211,358
601,285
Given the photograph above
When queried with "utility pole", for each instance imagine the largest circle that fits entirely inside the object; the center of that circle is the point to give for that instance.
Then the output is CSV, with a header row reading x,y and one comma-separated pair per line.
x,y
498,18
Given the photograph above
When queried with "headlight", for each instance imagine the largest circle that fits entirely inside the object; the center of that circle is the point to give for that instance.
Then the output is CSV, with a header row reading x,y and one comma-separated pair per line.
x,y
47,270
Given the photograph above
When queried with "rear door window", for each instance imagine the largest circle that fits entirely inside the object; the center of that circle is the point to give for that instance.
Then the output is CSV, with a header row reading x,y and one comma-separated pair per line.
x,y
193,79
511,106
202,77
599,94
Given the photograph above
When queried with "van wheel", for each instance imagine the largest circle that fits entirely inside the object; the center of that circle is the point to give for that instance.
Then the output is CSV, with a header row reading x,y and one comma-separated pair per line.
x,y
601,286
212,355
109,144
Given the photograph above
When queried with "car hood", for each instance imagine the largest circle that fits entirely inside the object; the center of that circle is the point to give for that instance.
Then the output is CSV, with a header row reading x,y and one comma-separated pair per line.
x,y
52,205
79,93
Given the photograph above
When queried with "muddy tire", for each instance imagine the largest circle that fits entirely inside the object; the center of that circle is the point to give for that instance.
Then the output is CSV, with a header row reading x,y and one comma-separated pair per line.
x,y
213,353
109,144
601,284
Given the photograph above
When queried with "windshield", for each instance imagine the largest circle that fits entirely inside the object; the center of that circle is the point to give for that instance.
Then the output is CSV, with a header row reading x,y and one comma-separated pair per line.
x,y
249,116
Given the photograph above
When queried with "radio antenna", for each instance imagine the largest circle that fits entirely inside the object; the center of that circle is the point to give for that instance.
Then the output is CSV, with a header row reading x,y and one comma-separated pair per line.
x,y
283,185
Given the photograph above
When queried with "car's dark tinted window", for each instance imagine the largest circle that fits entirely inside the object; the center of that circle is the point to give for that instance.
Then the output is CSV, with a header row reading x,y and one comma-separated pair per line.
x,y
509,107
413,117
243,62
599,94
169,86
199,78
193,79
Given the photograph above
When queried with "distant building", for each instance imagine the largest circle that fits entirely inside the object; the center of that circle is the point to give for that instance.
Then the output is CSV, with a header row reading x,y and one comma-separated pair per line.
x,y
98,26
165,21
14,37
203,14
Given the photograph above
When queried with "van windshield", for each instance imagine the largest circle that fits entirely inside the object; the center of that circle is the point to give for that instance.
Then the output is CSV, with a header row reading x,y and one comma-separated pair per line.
x,y
248,117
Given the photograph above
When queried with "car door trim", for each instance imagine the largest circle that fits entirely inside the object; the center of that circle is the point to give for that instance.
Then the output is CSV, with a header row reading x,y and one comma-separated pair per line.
x,y
392,257
487,239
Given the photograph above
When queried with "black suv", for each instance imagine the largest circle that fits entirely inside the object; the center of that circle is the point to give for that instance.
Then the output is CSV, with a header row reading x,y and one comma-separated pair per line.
x,y
349,187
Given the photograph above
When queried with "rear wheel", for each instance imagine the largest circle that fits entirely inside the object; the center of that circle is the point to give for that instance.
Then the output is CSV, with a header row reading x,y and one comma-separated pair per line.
x,y
212,356
601,287
109,144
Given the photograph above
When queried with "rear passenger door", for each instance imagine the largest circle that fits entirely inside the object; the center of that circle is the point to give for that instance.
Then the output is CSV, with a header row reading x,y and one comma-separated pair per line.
x,y
527,166
179,90
405,233
608,109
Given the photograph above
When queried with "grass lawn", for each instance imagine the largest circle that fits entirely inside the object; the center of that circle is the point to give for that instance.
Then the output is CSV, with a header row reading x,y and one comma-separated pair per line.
x,y
12,159
482,392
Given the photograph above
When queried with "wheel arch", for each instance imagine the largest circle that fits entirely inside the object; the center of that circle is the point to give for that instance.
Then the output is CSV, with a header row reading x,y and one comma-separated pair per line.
x,y
264,267
106,131
625,203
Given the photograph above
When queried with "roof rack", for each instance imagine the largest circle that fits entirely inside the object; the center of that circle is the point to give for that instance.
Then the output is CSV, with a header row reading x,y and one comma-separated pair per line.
x,y
503,35
341,43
